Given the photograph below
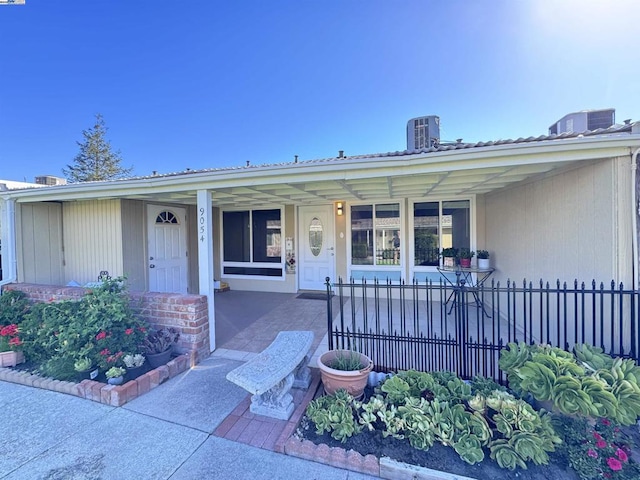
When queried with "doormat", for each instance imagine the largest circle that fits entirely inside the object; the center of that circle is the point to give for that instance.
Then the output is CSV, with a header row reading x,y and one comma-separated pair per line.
x,y
313,296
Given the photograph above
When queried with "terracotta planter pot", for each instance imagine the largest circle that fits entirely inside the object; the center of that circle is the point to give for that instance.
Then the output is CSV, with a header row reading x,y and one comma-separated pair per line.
x,y
158,359
11,359
352,381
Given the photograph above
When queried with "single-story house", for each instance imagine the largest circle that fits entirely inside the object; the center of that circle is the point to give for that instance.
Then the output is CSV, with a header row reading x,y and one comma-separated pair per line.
x,y
555,206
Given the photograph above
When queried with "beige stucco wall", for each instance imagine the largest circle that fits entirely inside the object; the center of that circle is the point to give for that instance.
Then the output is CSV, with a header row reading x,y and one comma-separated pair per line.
x,y
92,239
570,225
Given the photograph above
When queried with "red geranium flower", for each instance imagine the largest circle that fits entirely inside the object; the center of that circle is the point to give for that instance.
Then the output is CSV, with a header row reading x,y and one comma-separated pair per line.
x,y
15,342
604,421
101,335
601,444
9,330
105,352
128,331
597,436
614,464
142,329
592,453
620,453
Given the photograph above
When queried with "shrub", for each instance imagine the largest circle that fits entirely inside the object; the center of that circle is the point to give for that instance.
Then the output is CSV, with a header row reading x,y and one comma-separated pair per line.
x,y
100,326
14,305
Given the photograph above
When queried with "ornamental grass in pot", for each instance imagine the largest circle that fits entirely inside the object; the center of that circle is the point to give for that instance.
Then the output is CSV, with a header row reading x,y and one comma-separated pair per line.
x,y
344,369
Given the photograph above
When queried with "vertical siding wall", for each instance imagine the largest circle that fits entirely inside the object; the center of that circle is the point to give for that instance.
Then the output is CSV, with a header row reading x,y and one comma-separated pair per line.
x,y
573,225
39,243
134,252
92,239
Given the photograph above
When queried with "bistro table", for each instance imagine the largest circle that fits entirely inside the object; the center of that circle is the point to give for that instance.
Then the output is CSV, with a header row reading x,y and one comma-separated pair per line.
x,y
465,276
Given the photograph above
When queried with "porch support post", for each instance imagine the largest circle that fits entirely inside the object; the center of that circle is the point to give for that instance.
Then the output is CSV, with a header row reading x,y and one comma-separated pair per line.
x,y
8,239
205,258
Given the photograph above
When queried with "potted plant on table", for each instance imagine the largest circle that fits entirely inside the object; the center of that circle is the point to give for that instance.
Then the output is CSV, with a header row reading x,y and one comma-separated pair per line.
x,y
344,369
483,259
465,256
158,346
115,375
449,256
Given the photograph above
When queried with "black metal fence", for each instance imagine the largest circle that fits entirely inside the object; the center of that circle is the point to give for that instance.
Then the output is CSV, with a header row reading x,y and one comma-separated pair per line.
x,y
438,326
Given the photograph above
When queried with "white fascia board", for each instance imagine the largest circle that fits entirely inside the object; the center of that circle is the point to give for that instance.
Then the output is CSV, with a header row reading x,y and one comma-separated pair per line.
x,y
552,151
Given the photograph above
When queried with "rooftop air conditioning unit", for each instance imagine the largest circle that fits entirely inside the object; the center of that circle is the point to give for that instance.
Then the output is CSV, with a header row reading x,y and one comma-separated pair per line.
x,y
585,120
423,132
50,180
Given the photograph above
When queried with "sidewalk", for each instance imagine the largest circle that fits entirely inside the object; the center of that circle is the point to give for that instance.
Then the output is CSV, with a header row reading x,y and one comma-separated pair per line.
x,y
165,434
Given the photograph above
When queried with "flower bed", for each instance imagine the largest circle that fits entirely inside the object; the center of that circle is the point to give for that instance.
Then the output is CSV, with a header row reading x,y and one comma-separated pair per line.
x,y
85,337
482,432
98,391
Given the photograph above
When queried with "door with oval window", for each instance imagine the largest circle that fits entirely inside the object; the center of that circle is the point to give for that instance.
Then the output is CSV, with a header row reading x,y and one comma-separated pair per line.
x,y
316,247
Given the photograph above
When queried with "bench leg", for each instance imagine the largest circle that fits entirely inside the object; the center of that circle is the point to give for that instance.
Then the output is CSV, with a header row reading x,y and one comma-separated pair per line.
x,y
302,374
276,402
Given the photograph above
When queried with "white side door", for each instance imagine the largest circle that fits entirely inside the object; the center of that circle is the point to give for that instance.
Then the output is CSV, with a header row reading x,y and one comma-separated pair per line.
x,y
316,247
167,244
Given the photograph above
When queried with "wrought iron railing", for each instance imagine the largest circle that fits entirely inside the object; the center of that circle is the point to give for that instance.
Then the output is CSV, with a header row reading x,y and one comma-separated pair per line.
x,y
439,326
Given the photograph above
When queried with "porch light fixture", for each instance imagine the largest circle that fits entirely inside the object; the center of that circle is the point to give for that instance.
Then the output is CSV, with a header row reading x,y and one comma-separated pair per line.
x,y
339,209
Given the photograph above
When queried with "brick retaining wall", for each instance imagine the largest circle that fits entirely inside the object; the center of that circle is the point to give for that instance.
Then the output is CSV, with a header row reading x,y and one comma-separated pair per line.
x,y
186,313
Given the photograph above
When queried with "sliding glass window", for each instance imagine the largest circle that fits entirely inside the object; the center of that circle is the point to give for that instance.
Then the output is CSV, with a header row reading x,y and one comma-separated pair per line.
x,y
252,237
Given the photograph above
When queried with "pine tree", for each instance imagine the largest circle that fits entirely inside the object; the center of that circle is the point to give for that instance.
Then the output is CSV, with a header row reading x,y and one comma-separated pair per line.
x,y
95,161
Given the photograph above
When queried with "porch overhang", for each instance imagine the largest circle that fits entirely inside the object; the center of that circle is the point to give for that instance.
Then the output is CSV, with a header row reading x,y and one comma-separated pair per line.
x,y
457,172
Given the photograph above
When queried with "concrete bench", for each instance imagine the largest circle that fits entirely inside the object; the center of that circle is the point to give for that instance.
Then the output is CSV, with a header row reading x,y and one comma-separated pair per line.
x,y
270,375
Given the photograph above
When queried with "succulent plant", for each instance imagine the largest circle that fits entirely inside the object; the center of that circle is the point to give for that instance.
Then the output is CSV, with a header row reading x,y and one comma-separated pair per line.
x,y
83,364
593,357
469,448
503,453
588,383
335,414
396,389
426,408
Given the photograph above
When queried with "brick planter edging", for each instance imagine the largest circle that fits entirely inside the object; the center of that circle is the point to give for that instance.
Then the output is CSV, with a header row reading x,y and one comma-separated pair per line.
x,y
114,395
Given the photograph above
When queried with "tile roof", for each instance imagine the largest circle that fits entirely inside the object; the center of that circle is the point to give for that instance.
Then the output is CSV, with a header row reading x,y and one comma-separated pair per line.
x,y
443,147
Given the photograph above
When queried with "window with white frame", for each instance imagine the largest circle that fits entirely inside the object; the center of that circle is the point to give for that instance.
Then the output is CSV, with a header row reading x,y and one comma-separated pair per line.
x,y
251,238
375,234
438,225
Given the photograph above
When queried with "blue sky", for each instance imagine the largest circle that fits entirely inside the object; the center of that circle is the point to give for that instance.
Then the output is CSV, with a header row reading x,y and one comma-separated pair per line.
x,y
206,83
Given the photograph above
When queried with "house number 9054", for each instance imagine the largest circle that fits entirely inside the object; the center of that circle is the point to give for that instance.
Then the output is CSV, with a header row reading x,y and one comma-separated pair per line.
x,y
201,220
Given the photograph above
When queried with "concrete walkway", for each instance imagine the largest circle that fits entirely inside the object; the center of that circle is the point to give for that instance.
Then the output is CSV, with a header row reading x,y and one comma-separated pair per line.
x,y
165,434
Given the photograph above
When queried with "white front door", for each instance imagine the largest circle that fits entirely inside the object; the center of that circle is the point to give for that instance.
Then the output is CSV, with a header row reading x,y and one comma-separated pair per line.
x,y
317,249
167,243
